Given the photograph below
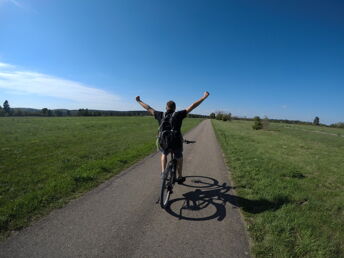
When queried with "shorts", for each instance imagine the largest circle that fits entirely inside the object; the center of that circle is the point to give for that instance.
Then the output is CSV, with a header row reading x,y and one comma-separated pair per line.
x,y
178,153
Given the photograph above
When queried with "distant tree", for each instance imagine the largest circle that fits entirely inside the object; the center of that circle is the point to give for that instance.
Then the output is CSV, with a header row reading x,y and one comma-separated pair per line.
x,y
7,108
50,112
338,125
219,115
316,121
18,112
225,117
266,123
84,112
44,111
229,116
2,113
257,123
58,113
68,113
212,115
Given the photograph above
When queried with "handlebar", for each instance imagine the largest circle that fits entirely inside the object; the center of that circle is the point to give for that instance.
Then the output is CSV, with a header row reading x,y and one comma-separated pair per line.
x,y
189,142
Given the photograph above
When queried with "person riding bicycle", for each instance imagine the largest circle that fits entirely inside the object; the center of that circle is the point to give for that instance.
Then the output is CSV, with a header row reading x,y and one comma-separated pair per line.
x,y
177,119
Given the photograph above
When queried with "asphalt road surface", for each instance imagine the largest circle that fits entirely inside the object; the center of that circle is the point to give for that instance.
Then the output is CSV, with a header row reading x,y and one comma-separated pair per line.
x,y
120,218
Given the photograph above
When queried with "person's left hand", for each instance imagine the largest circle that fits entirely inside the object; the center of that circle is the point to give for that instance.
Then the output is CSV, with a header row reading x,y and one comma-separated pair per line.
x,y
206,94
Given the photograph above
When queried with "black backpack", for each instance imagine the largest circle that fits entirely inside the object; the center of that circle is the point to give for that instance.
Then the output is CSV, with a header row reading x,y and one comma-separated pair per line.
x,y
168,138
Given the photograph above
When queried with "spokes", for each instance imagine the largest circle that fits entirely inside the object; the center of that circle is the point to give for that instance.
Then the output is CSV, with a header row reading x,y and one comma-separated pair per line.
x,y
166,188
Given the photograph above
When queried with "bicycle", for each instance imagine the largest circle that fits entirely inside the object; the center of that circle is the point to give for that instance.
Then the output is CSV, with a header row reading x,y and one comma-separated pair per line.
x,y
169,179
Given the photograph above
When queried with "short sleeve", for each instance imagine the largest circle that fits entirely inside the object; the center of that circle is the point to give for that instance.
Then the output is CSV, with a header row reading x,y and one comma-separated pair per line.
x,y
158,115
182,114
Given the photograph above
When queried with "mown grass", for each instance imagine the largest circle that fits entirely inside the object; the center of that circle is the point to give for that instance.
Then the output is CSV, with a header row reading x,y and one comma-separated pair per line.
x,y
44,162
316,129
298,179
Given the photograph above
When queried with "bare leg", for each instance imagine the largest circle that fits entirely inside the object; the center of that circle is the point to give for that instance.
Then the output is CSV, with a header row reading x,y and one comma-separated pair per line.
x,y
180,167
163,162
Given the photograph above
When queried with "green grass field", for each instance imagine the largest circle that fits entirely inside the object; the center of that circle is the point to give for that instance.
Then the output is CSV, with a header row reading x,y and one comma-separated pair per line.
x,y
296,178
44,162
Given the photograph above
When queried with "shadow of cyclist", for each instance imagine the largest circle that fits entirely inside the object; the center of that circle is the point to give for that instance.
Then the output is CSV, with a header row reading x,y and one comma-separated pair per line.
x,y
211,195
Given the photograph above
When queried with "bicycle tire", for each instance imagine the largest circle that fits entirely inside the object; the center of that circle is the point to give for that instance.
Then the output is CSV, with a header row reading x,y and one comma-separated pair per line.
x,y
165,191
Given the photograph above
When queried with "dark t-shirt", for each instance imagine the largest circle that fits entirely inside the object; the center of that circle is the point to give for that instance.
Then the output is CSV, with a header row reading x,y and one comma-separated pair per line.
x,y
176,121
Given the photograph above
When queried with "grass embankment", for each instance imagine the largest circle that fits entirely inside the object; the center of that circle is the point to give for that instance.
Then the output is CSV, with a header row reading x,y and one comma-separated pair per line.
x,y
297,180
44,162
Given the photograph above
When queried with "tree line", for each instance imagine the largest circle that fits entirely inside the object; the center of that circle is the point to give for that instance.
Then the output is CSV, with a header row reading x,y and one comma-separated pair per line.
x,y
6,110
264,123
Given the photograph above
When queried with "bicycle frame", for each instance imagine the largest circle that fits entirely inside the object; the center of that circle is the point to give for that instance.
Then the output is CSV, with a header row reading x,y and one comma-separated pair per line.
x,y
173,164
169,179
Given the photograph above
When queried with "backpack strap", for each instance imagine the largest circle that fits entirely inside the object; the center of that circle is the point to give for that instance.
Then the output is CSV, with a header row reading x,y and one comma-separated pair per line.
x,y
162,120
171,118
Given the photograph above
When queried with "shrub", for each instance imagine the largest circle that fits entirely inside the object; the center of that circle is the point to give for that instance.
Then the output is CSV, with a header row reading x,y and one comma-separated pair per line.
x,y
257,123
212,115
338,125
266,123
219,116
316,121
229,116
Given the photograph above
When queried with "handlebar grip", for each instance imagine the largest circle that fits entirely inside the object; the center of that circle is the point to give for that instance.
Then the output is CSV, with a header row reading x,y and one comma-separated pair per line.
x,y
188,142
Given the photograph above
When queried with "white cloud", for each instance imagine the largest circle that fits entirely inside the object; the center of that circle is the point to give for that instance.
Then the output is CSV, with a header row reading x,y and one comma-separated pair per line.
x,y
16,81
3,65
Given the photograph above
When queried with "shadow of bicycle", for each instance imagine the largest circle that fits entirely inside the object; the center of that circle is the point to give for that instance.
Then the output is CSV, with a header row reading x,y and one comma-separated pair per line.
x,y
209,200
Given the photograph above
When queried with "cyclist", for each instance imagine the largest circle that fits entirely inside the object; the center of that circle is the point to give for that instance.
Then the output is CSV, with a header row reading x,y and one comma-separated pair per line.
x,y
177,124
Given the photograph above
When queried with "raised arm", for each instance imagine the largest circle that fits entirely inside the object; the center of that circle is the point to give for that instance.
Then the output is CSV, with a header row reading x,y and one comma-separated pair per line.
x,y
197,103
145,106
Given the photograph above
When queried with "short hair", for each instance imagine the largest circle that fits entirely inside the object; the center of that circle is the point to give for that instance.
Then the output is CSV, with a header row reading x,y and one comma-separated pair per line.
x,y
171,105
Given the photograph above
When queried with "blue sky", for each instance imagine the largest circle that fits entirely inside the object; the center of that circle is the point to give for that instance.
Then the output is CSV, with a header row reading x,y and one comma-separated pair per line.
x,y
283,59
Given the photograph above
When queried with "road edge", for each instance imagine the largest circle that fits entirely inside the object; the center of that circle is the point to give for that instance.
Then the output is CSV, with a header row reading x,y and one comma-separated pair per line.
x,y
229,176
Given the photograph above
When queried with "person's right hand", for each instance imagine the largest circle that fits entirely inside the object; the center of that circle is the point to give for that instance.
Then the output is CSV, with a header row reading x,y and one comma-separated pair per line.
x,y
206,94
138,98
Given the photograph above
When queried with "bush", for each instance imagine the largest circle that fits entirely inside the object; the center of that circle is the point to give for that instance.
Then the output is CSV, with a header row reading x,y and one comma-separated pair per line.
x,y
338,125
257,123
229,116
316,121
212,115
219,116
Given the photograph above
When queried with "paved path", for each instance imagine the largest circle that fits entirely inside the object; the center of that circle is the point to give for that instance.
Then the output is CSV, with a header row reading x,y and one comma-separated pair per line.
x,y
120,218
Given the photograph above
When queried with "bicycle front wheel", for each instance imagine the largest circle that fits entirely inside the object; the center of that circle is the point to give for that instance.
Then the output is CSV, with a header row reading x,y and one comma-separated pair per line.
x,y
166,187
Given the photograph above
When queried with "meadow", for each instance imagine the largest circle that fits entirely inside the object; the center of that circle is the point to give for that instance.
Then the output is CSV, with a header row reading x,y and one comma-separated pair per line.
x,y
45,162
294,177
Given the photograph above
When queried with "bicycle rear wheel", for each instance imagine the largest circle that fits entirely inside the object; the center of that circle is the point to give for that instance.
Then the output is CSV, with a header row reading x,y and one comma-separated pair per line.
x,y
166,187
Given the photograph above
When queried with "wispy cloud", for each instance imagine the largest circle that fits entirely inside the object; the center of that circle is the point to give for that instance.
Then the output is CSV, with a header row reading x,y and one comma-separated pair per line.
x,y
15,2
15,80
3,65
27,7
